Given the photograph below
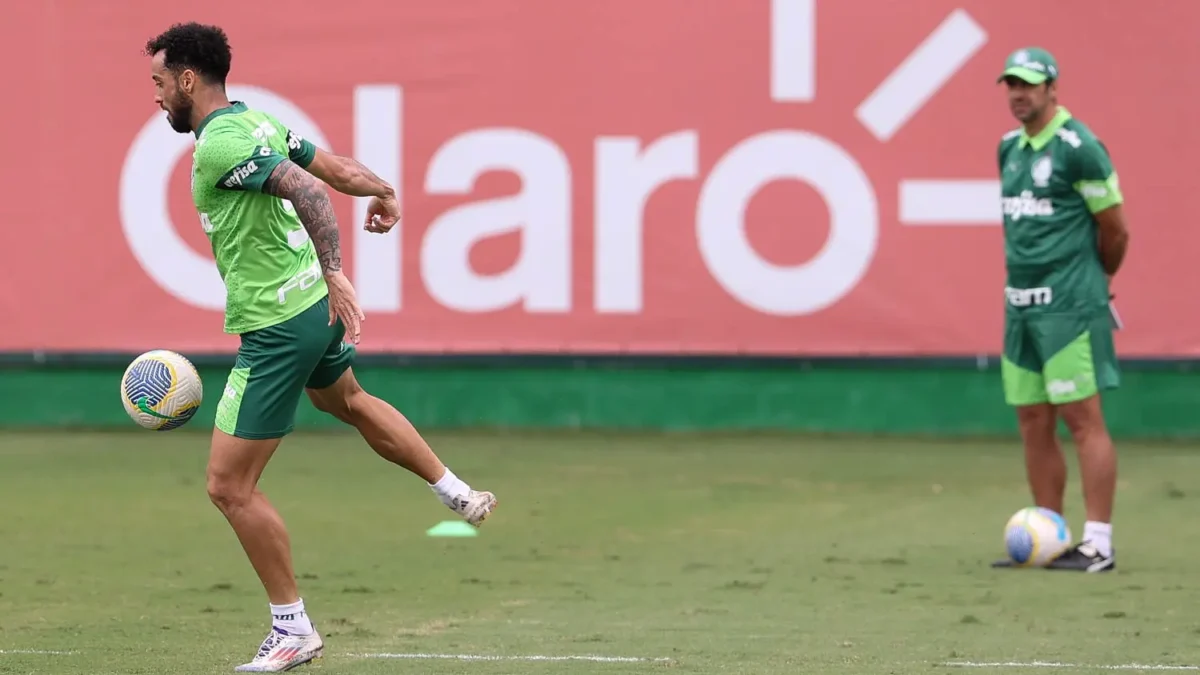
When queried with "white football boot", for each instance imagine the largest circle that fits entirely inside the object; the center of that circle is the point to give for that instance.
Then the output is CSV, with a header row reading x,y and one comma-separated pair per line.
x,y
475,508
282,651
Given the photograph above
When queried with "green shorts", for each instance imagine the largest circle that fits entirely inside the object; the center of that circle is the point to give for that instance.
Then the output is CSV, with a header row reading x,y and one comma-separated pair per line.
x,y
274,365
1057,358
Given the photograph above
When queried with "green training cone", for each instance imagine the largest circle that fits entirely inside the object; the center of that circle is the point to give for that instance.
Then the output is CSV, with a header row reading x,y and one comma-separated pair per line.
x,y
452,528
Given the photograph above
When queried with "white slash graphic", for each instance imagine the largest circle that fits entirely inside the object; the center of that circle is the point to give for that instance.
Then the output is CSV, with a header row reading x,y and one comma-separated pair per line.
x,y
378,143
925,71
950,202
793,51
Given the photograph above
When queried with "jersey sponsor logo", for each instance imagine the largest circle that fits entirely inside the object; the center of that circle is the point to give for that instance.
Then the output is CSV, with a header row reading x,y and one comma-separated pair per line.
x,y
1024,297
1061,387
302,281
1070,137
1041,170
264,130
294,140
241,173
1026,206
1022,59
1064,387
297,238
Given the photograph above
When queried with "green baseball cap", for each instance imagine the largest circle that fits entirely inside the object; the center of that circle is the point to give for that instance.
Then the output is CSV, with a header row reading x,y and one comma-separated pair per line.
x,y
1031,64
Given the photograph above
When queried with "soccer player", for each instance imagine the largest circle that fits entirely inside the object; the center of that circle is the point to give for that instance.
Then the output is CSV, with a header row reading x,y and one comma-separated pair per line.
x,y
1065,237
275,240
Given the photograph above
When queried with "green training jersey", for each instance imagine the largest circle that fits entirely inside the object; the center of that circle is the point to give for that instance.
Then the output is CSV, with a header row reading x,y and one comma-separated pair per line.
x,y
265,257
1051,185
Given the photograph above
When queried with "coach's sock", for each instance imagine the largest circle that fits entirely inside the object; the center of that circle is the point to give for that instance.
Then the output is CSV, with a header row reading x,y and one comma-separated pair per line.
x,y
292,618
449,487
1100,536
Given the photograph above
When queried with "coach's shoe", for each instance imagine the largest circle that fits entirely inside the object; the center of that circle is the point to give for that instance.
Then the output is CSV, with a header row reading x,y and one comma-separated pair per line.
x,y
475,508
1084,558
282,651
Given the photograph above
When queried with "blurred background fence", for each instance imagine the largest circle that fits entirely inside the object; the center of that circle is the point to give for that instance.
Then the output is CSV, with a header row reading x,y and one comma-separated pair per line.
x,y
676,214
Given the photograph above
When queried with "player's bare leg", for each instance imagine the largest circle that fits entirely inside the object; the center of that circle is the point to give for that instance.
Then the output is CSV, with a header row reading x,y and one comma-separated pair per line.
x,y
393,437
1098,469
384,428
1045,467
1097,456
234,467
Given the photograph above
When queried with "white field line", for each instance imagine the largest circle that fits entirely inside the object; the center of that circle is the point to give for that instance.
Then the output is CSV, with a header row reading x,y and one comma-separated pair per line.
x,y
1034,665
526,657
1026,665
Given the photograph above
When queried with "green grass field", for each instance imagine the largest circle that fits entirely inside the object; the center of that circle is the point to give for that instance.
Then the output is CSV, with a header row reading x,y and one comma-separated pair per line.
x,y
732,554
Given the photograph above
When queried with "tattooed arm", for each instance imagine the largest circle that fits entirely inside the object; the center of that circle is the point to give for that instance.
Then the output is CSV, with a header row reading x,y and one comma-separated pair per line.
x,y
312,205
348,176
311,201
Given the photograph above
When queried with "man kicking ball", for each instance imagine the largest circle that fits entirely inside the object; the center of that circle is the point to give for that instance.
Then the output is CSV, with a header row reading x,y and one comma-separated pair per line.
x,y
275,240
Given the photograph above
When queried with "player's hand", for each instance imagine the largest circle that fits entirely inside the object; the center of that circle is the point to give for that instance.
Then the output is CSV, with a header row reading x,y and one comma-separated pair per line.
x,y
382,214
344,305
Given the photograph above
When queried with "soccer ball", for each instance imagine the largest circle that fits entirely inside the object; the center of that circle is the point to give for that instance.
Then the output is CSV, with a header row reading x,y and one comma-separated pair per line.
x,y
1034,537
161,390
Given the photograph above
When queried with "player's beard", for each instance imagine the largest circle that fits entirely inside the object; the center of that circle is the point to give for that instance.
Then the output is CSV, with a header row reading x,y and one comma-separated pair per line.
x,y
179,114
1026,111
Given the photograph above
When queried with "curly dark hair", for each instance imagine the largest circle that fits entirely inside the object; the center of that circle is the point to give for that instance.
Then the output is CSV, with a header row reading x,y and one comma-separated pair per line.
x,y
202,48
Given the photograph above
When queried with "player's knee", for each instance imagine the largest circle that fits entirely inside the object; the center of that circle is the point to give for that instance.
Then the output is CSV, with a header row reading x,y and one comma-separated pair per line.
x,y
341,408
347,406
356,403
227,492
1031,416
330,405
1037,426
1084,419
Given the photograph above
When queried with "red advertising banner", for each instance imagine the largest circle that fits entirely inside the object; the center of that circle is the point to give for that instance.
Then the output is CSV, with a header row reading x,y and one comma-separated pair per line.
x,y
730,176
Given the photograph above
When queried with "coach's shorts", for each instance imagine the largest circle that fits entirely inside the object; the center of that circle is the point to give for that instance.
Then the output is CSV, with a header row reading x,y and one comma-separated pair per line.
x,y
274,365
1057,358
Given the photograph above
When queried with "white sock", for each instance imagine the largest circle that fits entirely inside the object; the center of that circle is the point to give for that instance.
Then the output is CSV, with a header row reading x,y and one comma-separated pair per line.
x,y
450,487
1100,536
292,618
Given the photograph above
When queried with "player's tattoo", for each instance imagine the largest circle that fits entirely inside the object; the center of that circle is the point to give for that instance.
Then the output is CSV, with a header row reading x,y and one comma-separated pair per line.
x,y
312,205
